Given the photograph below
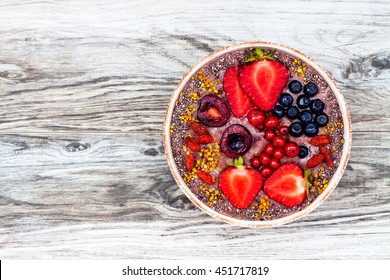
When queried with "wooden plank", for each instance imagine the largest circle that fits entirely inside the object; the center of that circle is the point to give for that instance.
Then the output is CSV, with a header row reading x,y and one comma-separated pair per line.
x,y
98,73
61,192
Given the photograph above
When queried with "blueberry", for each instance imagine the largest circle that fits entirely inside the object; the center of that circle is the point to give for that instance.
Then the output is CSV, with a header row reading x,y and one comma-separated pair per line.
x,y
292,112
295,86
310,89
278,111
303,101
311,129
303,152
321,119
305,116
285,99
316,106
295,129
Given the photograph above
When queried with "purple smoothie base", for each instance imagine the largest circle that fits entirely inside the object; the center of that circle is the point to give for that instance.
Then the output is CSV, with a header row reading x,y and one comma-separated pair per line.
x,y
262,208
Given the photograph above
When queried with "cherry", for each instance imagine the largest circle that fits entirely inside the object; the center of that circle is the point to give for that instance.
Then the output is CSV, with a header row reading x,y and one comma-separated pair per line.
x,y
271,122
269,149
256,116
279,141
264,159
278,153
269,134
291,149
283,130
265,171
255,162
274,163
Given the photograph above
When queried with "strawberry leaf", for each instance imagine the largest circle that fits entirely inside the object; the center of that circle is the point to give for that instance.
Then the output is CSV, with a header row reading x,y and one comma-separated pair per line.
x,y
270,55
238,162
250,59
308,182
258,52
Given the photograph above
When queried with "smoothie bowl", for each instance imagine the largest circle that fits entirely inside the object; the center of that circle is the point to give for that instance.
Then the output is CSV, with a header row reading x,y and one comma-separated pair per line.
x,y
257,134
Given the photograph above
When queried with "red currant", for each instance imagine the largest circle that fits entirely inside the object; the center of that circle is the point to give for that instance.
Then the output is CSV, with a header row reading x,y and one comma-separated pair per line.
x,y
271,122
260,126
269,149
283,130
269,134
265,171
278,153
274,163
291,149
255,162
264,159
279,141
256,116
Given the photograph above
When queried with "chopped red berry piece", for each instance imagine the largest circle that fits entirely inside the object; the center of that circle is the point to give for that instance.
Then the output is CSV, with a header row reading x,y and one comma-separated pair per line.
x,y
190,162
328,156
205,177
191,143
315,160
320,140
198,128
205,139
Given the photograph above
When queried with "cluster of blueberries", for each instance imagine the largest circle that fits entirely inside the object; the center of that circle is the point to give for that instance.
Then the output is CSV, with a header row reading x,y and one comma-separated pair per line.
x,y
308,112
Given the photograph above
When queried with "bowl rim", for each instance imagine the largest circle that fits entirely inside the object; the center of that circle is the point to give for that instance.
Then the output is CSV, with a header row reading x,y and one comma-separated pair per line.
x,y
336,176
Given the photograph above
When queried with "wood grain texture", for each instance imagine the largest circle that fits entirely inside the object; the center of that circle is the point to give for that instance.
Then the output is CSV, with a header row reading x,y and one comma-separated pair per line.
x,y
83,91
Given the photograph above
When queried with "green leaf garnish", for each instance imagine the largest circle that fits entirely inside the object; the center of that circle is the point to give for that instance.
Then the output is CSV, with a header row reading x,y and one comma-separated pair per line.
x,y
308,182
258,54
252,58
238,162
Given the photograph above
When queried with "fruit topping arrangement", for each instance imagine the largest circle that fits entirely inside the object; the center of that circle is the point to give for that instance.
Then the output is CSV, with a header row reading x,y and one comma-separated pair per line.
x,y
258,134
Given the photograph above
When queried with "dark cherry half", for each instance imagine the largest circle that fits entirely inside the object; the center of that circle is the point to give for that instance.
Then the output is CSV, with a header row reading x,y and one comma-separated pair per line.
x,y
236,140
213,111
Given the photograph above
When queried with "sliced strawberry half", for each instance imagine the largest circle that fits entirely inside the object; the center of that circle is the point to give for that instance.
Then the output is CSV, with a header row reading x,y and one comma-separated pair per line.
x,y
263,81
286,185
239,102
240,184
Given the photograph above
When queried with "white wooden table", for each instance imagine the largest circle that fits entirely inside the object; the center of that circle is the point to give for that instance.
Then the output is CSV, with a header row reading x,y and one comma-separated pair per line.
x,y
84,86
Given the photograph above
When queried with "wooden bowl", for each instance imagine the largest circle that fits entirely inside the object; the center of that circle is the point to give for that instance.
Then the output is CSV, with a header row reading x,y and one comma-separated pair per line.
x,y
331,185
